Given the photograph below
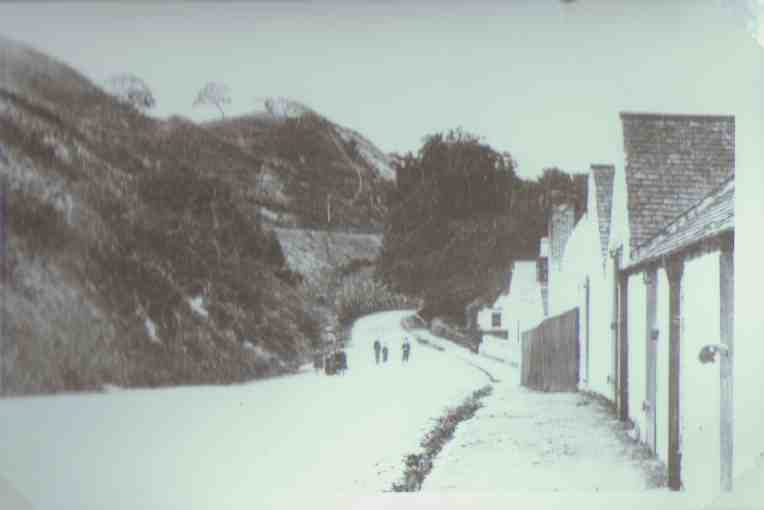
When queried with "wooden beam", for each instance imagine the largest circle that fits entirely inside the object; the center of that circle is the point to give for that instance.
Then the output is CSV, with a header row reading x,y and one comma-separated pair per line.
x,y
727,335
674,270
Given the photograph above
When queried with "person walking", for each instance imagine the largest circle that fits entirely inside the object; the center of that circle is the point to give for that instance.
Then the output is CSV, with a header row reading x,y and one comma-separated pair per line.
x,y
377,349
384,353
406,349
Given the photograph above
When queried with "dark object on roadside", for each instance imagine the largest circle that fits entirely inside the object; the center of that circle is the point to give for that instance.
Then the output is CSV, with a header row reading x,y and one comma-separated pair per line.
x,y
342,361
406,350
336,363
377,348
384,354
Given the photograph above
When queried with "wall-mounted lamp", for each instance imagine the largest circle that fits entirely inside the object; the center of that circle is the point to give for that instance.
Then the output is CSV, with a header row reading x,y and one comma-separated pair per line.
x,y
708,353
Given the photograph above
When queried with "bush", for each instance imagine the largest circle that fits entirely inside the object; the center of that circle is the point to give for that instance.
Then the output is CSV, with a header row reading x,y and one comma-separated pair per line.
x,y
39,222
360,295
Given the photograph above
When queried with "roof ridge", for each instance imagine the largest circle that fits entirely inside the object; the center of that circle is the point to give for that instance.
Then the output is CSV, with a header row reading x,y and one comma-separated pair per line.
x,y
709,116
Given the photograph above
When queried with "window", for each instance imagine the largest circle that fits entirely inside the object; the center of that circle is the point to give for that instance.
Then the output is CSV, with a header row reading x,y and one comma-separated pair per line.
x,y
496,320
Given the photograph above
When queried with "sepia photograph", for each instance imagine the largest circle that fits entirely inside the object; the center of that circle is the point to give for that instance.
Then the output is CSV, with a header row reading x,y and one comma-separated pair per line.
x,y
381,254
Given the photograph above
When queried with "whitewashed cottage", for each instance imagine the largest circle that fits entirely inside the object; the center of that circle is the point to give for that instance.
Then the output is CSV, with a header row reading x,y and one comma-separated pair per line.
x,y
582,281
518,308
657,322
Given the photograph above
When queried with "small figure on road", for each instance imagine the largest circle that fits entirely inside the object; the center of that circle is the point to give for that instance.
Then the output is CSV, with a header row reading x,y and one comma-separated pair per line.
x,y
384,353
330,367
377,349
406,347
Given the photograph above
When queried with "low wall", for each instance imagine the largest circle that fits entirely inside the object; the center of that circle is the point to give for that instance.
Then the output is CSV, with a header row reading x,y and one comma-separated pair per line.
x,y
440,328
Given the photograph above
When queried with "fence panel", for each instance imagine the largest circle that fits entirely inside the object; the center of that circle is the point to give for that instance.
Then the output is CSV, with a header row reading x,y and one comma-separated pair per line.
x,y
550,354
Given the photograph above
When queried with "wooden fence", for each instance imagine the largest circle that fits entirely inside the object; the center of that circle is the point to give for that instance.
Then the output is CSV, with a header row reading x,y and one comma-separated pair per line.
x,y
550,354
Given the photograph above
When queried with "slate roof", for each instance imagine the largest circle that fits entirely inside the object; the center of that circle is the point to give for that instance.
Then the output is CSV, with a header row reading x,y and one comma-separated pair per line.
x,y
672,162
603,184
713,215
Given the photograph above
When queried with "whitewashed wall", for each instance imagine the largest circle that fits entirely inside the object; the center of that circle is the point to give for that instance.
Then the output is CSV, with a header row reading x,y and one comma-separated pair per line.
x,y
583,259
485,318
663,322
700,383
600,342
637,356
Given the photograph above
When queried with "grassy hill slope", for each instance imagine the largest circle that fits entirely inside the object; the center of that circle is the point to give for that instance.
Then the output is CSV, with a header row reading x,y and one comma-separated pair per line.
x,y
314,173
133,248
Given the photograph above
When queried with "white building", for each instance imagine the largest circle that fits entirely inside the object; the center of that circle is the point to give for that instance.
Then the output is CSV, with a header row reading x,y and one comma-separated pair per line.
x,y
582,280
518,308
657,301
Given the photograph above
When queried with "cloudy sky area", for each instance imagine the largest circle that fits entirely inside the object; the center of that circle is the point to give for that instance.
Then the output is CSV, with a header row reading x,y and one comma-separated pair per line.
x,y
544,80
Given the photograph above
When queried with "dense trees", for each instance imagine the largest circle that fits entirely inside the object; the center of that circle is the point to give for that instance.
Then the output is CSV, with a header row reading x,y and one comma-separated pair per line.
x,y
458,218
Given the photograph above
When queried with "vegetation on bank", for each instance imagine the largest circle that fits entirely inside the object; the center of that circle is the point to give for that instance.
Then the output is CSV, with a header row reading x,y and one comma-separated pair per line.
x,y
419,465
136,252
361,294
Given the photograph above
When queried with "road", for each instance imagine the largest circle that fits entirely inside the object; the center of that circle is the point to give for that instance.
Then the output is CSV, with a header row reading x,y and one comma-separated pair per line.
x,y
240,446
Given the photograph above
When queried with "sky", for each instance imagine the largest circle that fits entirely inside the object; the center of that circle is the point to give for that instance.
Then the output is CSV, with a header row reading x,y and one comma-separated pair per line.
x,y
544,80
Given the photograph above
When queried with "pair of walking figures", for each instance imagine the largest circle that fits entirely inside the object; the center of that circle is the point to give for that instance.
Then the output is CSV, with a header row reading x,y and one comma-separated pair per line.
x,y
382,349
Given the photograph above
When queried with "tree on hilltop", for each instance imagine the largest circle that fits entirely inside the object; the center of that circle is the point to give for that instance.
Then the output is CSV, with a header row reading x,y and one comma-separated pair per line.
x,y
214,94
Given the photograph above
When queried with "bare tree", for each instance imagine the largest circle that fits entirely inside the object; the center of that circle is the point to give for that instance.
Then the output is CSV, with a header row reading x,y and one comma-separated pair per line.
x,y
215,94
130,89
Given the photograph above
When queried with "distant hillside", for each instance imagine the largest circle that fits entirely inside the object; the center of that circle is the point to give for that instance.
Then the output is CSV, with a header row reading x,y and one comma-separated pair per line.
x,y
313,172
135,251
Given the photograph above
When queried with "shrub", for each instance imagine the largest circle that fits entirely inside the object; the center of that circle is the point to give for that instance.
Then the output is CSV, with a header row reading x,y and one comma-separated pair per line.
x,y
39,222
360,295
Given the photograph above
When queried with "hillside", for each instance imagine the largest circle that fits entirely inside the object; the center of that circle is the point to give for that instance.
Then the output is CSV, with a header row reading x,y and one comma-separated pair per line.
x,y
135,254
313,253
314,173
326,262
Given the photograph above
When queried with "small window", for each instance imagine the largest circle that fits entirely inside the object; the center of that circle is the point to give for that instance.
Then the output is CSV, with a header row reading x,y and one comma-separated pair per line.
x,y
496,320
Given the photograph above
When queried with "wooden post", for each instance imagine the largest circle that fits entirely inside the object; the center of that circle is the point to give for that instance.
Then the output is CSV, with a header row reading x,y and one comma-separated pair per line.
x,y
575,376
674,271
727,330
651,338
614,327
623,348
587,336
